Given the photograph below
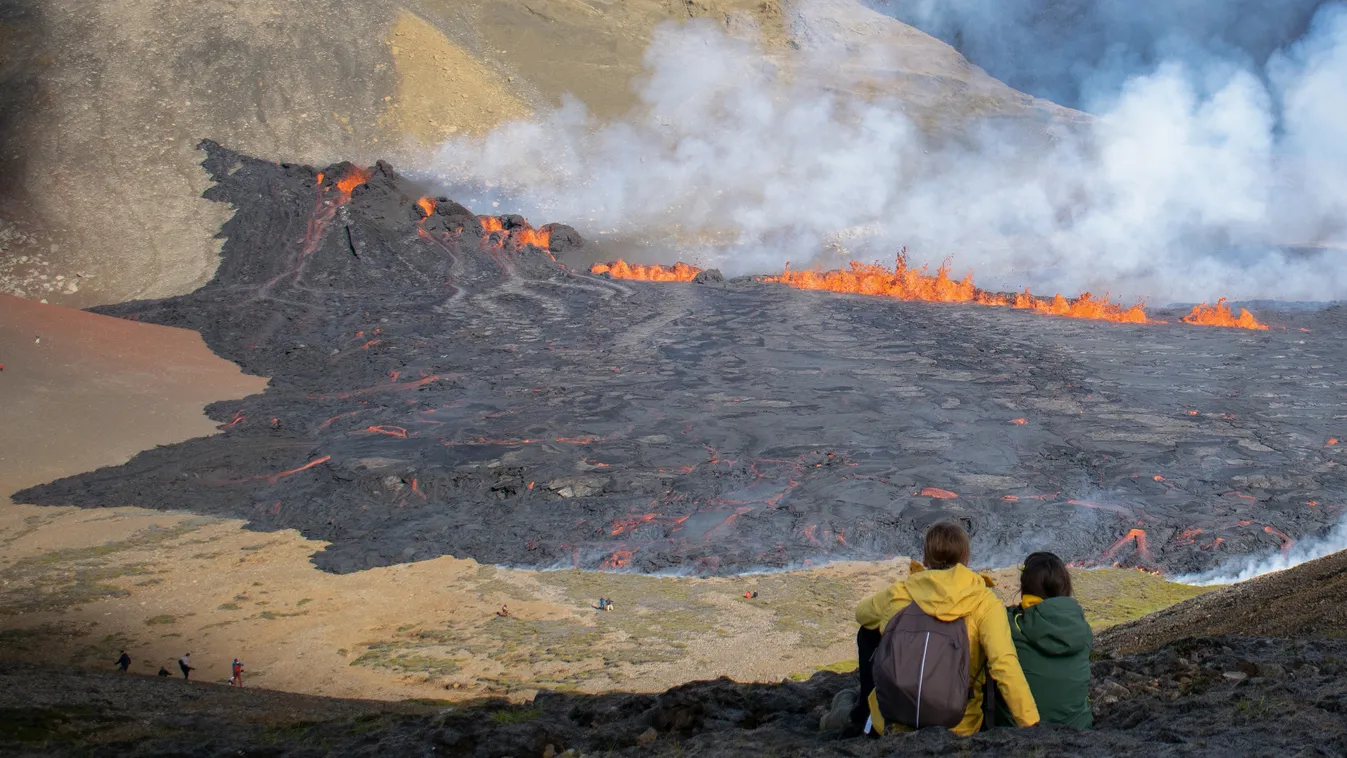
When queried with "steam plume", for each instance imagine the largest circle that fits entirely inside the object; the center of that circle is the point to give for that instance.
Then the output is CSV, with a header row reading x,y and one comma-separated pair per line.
x,y
1255,566
1198,178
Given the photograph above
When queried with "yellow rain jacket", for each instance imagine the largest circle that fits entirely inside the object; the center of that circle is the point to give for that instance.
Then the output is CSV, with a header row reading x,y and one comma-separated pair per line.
x,y
948,594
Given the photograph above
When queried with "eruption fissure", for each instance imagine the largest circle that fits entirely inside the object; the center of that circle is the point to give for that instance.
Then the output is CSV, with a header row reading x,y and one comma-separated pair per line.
x,y
620,269
1220,315
906,283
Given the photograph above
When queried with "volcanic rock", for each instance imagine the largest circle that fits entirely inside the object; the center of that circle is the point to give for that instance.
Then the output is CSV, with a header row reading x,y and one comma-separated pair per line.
x,y
708,275
58,712
439,387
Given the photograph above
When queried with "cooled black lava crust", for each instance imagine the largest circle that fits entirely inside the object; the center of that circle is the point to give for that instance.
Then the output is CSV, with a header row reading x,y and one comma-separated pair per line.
x,y
438,389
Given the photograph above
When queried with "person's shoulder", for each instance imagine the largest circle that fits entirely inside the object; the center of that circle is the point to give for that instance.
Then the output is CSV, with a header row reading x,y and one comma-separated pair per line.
x,y
988,602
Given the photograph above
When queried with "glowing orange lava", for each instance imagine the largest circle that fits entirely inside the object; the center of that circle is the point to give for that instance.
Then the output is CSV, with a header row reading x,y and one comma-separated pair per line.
x,y
617,560
620,269
906,283
1137,536
427,205
540,238
938,493
354,179
1220,315
1087,307
537,237
1287,541
272,479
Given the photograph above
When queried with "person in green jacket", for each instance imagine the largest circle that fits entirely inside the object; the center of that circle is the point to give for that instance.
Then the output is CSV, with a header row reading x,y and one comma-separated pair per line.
x,y
1053,642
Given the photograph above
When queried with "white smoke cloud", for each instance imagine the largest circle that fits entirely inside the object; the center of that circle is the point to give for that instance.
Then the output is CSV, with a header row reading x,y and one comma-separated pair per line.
x,y
1189,185
1250,567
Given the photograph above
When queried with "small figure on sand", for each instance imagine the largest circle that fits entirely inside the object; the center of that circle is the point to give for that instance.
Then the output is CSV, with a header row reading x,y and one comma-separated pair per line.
x,y
236,674
185,663
163,671
751,595
124,662
504,611
604,604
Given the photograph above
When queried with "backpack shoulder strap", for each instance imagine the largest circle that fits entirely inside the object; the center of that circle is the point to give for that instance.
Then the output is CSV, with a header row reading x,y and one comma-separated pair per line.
x,y
893,620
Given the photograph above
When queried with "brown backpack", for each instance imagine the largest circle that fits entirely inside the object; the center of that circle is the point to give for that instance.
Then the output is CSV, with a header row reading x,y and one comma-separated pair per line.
x,y
921,670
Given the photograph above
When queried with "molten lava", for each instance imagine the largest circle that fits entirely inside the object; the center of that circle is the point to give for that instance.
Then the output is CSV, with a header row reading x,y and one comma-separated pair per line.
x,y
426,205
536,237
617,560
902,282
354,179
906,283
519,237
1085,306
1220,315
1133,536
620,269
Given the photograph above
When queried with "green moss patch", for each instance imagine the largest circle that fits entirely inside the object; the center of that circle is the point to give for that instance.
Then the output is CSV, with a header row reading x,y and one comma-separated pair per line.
x,y
1115,596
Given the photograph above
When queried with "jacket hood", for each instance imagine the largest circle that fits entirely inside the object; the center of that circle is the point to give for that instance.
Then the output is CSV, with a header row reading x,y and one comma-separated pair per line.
x,y
1054,627
947,594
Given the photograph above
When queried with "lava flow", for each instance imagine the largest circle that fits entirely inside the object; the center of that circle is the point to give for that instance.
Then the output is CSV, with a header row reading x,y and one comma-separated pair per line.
x,y
906,283
1220,315
442,386
620,269
518,233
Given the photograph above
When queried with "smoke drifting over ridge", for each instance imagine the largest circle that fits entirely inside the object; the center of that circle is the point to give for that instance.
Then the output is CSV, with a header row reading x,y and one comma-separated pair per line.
x,y
1249,567
1198,179
1075,52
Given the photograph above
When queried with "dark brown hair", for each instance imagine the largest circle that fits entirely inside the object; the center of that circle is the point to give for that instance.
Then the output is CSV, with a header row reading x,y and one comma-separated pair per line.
x,y
1045,575
944,546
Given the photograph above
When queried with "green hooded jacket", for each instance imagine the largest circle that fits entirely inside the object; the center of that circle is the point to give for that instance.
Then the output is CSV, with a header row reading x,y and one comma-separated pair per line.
x,y
1053,642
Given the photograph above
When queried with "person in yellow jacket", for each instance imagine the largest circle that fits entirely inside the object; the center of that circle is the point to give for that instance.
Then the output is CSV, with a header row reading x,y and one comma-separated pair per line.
x,y
947,589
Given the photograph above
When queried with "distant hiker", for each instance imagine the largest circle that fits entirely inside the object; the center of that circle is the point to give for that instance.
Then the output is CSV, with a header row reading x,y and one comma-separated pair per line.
x,y
603,604
124,662
908,682
163,671
750,595
1053,641
504,611
185,663
236,674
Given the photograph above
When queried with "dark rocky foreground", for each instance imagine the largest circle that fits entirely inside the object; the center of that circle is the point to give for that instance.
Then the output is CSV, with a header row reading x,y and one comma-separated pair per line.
x,y
1218,697
1305,601
440,388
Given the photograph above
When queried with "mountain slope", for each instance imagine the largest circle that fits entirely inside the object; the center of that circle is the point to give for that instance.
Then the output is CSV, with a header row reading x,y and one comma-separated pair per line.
x,y
109,97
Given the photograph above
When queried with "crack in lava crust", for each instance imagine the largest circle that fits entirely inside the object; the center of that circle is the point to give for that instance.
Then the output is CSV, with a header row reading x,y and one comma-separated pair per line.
x,y
442,385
